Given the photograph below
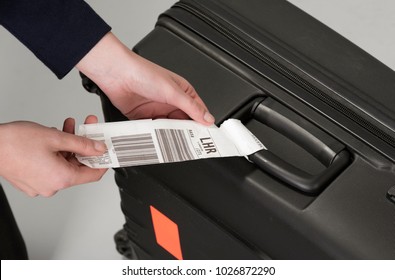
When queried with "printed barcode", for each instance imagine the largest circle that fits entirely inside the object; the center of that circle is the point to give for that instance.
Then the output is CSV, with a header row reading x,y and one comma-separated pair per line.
x,y
98,160
174,145
136,149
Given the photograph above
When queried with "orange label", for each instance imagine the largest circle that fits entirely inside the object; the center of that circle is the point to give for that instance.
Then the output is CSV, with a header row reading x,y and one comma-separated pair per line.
x,y
166,233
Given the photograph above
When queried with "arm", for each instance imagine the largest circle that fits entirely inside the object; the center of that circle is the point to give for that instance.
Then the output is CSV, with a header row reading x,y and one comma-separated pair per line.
x,y
64,34
58,32
39,160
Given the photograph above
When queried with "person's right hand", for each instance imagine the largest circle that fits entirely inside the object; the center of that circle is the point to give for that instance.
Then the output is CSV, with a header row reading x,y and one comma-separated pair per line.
x,y
40,160
139,88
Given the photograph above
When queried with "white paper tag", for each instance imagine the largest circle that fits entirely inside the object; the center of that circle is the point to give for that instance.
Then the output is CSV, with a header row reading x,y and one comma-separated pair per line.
x,y
142,142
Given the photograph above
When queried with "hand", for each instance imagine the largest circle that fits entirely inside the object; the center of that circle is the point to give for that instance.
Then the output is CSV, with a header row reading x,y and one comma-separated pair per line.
x,y
40,161
140,88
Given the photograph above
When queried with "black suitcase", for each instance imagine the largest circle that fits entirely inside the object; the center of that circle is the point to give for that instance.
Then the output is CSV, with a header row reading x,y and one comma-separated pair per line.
x,y
322,106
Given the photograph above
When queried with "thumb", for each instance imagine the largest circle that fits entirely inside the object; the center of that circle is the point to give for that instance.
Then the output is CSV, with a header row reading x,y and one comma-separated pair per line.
x,y
187,99
79,145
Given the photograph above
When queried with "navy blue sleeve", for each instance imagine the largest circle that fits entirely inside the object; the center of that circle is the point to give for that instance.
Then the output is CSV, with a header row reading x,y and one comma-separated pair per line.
x,y
58,32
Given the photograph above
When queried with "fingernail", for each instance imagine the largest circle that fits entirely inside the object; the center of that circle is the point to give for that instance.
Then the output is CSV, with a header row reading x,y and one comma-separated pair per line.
x,y
100,146
208,117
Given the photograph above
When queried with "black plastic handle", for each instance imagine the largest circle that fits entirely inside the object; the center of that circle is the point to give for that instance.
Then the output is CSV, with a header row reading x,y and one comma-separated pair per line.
x,y
327,150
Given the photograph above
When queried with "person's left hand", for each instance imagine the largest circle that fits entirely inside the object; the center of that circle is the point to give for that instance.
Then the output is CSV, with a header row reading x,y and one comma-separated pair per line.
x,y
39,160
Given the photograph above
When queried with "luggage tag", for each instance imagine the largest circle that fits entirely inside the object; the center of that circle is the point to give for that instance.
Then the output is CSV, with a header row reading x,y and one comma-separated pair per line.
x,y
143,142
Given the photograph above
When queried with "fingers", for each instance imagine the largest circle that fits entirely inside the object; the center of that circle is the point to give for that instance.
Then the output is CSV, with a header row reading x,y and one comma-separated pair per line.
x,y
86,174
91,119
131,75
186,98
76,175
69,174
194,108
47,166
66,141
68,125
79,145
177,114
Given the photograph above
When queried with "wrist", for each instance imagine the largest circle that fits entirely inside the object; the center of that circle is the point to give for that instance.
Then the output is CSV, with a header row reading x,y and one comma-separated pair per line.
x,y
4,148
103,63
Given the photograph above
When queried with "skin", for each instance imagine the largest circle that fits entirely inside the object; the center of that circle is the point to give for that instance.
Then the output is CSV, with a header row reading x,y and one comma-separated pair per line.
x,y
140,88
137,87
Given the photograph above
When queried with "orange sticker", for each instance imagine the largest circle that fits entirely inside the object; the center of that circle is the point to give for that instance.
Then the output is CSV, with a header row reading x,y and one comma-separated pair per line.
x,y
166,233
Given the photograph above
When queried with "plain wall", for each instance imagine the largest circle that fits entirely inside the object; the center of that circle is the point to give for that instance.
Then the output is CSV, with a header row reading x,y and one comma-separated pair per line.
x,y
79,223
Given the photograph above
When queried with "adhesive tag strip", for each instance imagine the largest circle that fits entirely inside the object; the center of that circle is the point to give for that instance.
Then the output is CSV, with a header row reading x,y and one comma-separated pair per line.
x,y
142,142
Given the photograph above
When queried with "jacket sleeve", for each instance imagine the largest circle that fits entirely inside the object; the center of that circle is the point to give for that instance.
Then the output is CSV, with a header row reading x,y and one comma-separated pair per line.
x,y
58,32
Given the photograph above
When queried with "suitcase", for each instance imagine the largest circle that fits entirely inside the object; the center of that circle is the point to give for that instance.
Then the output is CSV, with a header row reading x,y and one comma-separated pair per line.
x,y
322,106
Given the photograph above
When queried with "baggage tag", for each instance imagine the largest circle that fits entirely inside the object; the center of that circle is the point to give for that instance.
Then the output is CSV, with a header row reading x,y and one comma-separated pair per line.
x,y
143,142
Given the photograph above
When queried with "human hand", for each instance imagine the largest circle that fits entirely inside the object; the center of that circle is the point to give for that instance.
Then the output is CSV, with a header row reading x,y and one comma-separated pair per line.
x,y
40,161
140,88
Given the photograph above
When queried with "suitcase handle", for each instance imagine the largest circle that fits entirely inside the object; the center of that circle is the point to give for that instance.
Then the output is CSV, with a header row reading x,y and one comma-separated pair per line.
x,y
334,156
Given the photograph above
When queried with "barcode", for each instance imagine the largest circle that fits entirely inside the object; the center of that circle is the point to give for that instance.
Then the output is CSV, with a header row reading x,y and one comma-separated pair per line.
x,y
135,149
98,160
174,145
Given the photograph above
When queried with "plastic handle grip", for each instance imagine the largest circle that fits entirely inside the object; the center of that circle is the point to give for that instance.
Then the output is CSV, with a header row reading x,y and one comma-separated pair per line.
x,y
334,160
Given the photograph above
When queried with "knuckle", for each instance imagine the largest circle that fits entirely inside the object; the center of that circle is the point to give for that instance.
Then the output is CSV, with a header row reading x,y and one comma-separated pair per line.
x,y
55,139
48,193
84,143
31,194
190,90
196,105
61,182
101,174
98,175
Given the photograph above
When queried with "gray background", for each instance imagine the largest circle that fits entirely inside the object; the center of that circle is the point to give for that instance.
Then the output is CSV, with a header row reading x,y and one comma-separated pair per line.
x,y
79,223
